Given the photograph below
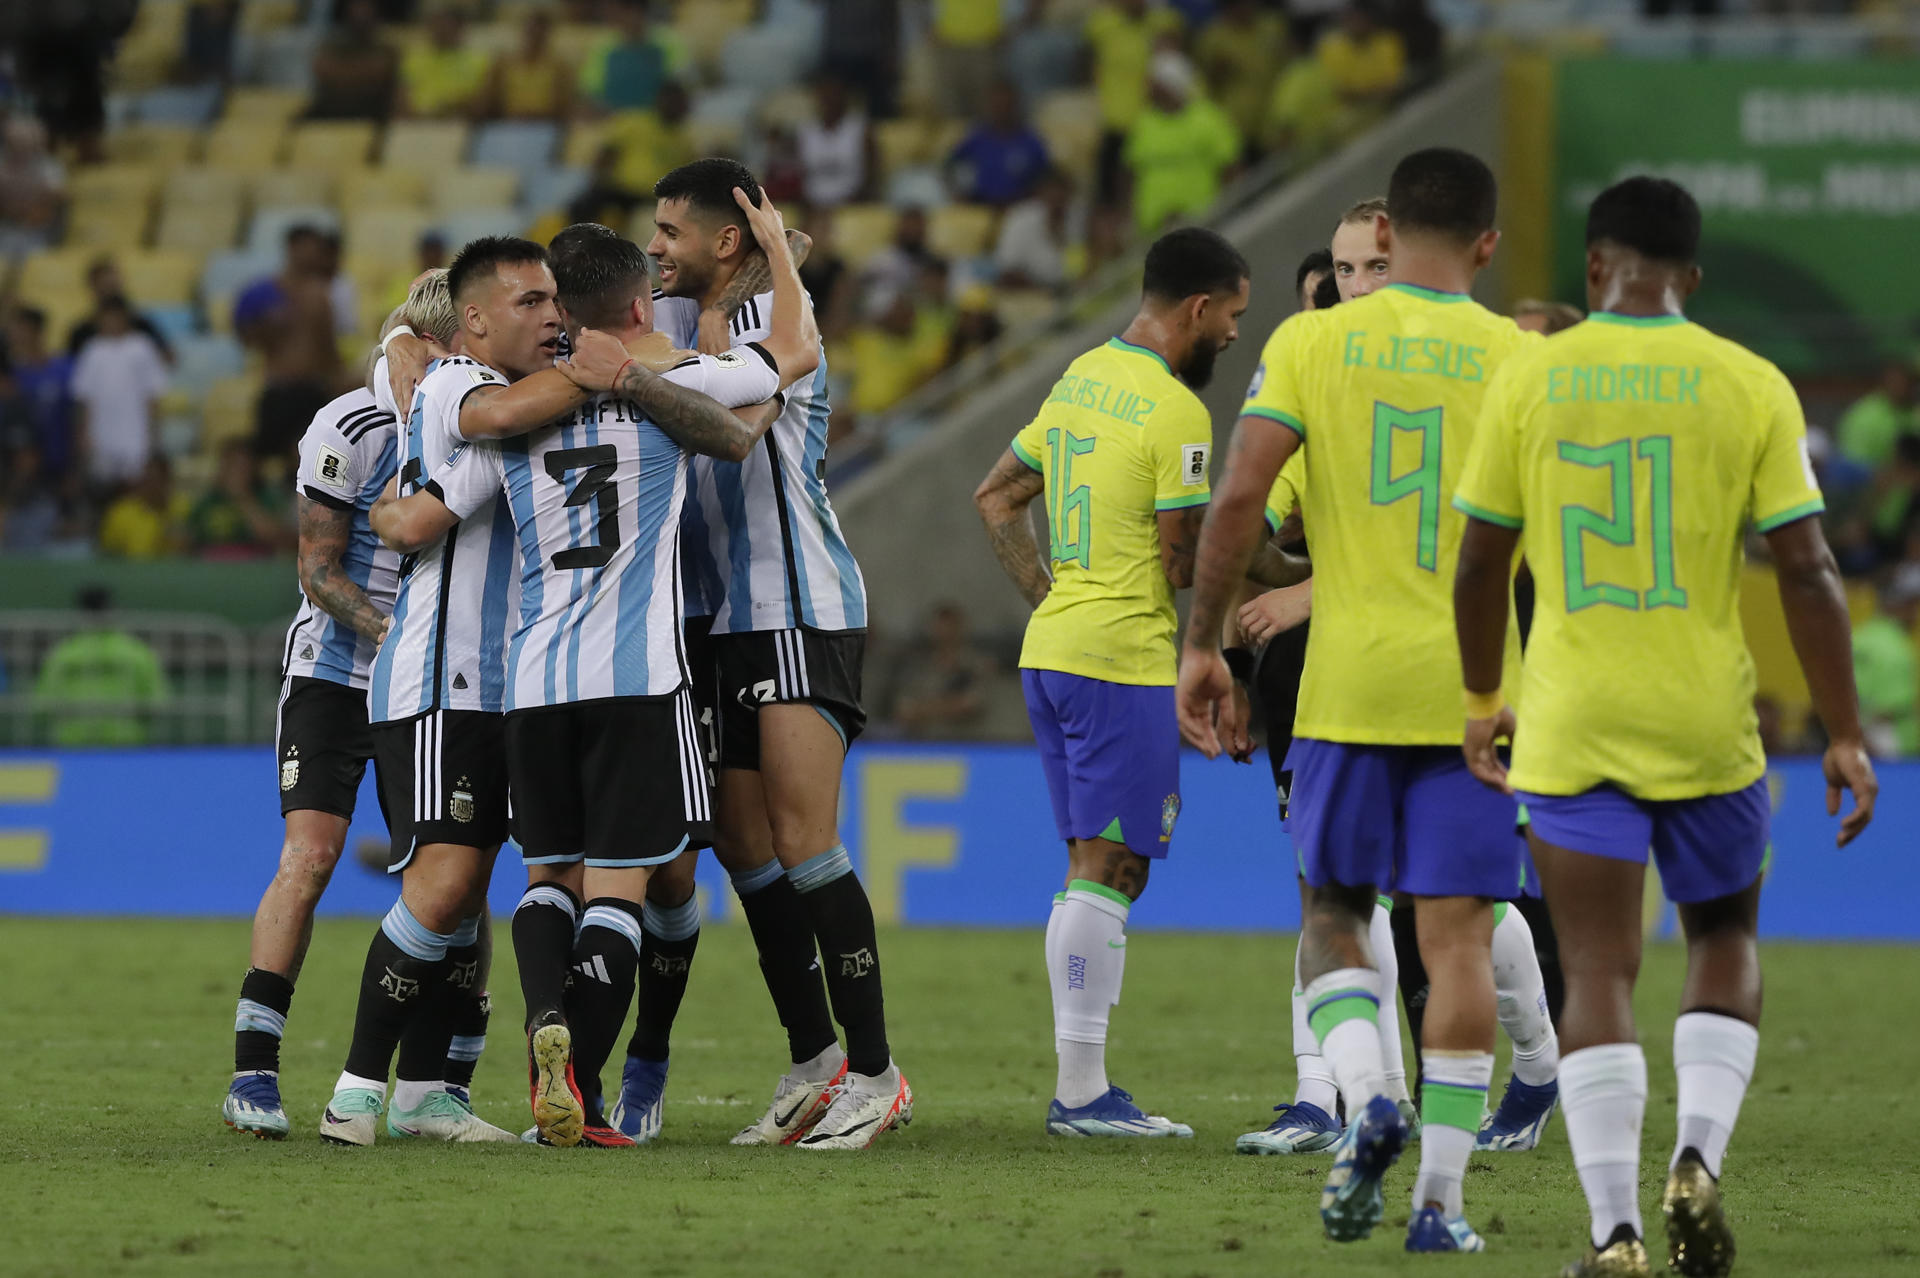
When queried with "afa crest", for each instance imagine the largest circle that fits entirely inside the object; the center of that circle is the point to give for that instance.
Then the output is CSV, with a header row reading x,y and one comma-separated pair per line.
x,y
290,769
1169,813
460,802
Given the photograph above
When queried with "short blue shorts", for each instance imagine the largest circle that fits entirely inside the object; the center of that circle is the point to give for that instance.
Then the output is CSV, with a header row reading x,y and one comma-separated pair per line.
x,y
1111,752
1706,848
1401,818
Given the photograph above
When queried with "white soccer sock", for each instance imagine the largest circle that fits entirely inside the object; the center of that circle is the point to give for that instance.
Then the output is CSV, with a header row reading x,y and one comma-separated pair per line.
x,y
1314,1083
1393,1053
1522,995
1713,1056
1092,959
1603,1094
366,1084
409,1094
1343,1008
1056,966
1453,1093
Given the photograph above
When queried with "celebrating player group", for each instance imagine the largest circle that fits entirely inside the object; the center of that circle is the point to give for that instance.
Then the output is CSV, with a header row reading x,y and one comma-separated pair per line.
x,y
594,568
1435,778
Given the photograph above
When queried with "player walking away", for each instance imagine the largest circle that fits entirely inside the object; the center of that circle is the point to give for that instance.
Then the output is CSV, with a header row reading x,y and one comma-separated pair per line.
x,y
1380,798
1120,448
788,636
1628,456
347,584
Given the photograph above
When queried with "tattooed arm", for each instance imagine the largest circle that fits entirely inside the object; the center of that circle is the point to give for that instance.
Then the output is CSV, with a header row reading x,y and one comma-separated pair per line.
x,y
754,277
694,421
1004,499
323,541
1179,538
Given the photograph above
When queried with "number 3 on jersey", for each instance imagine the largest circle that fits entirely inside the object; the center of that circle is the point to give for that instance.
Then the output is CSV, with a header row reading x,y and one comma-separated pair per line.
x,y
596,486
1422,481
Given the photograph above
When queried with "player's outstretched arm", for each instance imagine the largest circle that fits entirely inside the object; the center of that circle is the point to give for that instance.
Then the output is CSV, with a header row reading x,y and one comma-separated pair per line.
x,y
1815,602
1005,502
409,524
324,533
1480,586
501,412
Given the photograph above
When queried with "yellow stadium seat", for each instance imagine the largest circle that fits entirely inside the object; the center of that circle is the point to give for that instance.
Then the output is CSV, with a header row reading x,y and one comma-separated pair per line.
x,y
474,187
425,146
260,16
573,41
640,226
51,276
1021,307
382,188
160,276
272,188
148,52
961,230
108,226
715,137
258,104
1069,121
704,25
114,184
582,144
204,225
785,107
371,273
167,145
245,145
331,144
189,185
391,235
229,411
861,230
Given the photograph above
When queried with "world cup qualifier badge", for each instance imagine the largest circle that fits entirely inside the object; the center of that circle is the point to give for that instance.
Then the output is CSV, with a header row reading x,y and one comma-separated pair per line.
x,y
290,769
460,802
1169,813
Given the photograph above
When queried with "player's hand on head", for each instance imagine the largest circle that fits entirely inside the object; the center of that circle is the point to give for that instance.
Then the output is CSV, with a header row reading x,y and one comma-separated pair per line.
x,y
1204,684
657,352
769,228
596,360
1481,749
1847,767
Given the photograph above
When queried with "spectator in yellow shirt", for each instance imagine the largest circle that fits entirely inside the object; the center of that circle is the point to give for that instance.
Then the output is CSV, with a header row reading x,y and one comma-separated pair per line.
x,y
653,142
1123,35
1180,148
1239,55
443,76
1365,60
892,358
532,82
148,521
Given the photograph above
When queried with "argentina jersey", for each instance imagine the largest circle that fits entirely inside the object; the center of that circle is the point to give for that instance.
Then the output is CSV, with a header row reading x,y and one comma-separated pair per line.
x,y
447,646
346,458
595,505
765,548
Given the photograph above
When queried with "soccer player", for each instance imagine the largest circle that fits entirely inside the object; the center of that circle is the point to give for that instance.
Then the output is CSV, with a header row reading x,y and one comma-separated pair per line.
x,y
1628,456
347,584
788,636
1361,263
1381,394
1315,269
1120,448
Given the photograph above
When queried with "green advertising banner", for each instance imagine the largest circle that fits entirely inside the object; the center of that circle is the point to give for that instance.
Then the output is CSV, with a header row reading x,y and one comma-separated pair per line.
x,y
1808,174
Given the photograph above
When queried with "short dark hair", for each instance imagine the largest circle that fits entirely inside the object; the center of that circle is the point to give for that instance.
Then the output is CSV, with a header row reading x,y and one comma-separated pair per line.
x,y
599,278
304,231
570,238
1192,260
1326,294
482,257
1318,262
1444,191
707,186
1652,216
32,316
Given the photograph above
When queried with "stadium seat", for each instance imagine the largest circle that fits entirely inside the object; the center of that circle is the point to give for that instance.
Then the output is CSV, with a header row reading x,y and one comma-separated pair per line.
x,y
473,188
553,189
582,145
382,188
640,226
148,51
861,230
166,145
160,277
245,145
114,184
1024,307
175,320
424,146
961,230
225,275
273,187
389,234
1069,121
573,41
229,410
260,16
204,223
193,105
108,225
267,231
703,27
762,57
331,144
261,103
200,361
921,187
515,144
52,276
470,224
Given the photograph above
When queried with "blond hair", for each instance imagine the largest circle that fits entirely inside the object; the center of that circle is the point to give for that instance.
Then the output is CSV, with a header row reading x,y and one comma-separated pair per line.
x,y
1365,211
429,310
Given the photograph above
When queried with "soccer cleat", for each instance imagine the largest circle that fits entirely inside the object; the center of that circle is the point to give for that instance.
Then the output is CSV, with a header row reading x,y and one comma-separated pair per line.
x,y
601,1136
1431,1230
1620,1258
1110,1114
1350,1205
860,1109
253,1105
1300,1129
1521,1119
641,1106
558,1111
442,1116
797,1106
352,1117
1699,1243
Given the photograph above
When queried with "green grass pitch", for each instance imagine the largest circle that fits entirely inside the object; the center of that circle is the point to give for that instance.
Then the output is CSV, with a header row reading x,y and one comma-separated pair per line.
x,y
113,1159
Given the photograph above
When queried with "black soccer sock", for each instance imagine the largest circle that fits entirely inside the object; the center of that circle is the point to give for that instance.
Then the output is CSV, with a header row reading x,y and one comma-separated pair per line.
x,y
543,927
842,920
783,935
1413,985
604,961
1546,947
405,964
260,1020
668,938
467,1017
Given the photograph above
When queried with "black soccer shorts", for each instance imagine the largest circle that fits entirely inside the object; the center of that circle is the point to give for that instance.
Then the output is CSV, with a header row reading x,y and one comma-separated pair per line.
x,y
785,667
1276,686
323,745
443,775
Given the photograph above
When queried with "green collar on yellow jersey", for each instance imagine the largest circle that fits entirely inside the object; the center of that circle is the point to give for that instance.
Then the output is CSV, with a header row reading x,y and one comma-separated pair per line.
x,y
1431,294
1120,345
1637,321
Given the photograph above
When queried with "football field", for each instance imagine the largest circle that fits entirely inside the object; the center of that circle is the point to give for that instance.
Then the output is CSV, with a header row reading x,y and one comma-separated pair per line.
x,y
118,1043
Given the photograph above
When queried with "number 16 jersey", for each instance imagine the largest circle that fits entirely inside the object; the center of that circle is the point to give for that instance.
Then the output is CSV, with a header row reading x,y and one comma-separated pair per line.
x,y
1385,392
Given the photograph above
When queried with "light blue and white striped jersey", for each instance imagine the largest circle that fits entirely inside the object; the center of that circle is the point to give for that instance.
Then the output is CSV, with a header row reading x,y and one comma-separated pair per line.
x,y
595,504
447,649
346,457
764,548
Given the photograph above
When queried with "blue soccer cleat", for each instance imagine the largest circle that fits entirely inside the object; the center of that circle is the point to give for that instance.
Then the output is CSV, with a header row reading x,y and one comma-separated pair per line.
x,y
1111,1114
253,1105
1350,1205
1299,1129
641,1107
1431,1230
1521,1118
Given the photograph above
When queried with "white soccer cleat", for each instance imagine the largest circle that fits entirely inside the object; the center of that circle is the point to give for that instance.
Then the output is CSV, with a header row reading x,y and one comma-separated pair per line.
x,y
441,1116
797,1106
859,1109
352,1117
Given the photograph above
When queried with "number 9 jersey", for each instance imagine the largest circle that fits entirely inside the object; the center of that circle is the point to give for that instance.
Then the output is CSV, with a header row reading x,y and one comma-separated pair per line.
x,y
1385,392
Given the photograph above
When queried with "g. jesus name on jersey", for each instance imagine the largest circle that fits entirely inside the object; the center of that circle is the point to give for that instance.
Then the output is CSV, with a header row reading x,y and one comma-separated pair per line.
x,y
764,548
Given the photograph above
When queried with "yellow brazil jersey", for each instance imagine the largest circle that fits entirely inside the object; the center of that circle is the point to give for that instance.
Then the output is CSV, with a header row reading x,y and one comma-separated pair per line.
x,y
1385,391
1119,439
1286,490
1632,454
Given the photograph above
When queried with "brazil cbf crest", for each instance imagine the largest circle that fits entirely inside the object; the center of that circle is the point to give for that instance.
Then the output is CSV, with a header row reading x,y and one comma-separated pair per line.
x,y
290,769
1169,813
